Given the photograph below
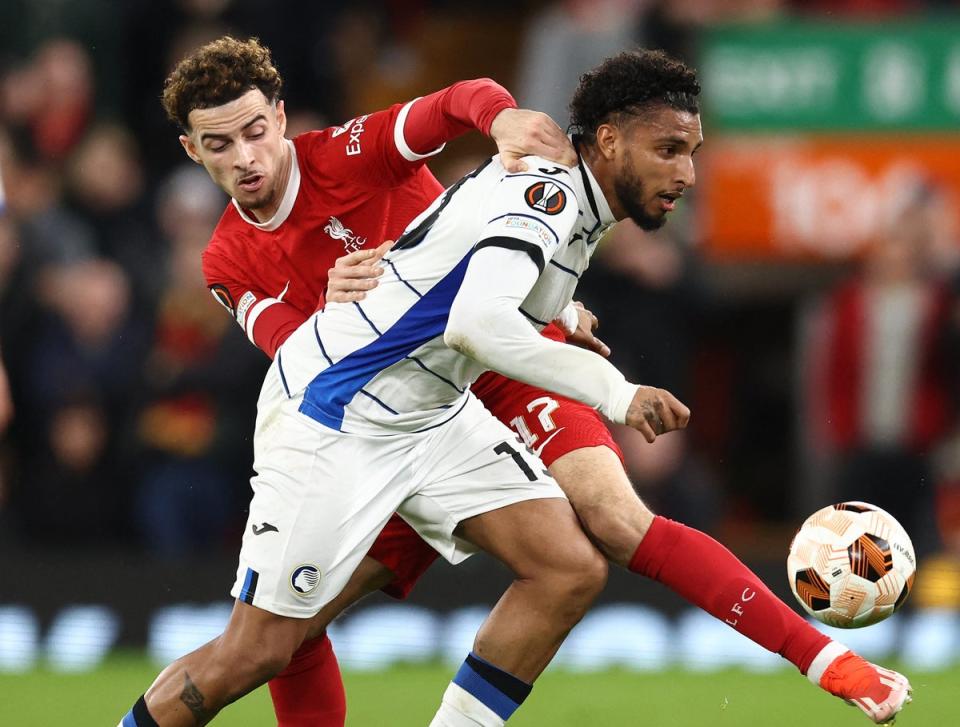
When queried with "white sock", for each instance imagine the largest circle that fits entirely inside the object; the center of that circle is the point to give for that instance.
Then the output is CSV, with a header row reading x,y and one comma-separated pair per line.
x,y
824,659
459,708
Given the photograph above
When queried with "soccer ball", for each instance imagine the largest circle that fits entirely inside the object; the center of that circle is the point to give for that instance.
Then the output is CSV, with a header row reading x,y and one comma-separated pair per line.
x,y
851,565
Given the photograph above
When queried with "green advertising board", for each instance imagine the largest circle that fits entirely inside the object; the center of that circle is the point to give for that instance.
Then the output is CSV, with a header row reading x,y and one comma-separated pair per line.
x,y
833,76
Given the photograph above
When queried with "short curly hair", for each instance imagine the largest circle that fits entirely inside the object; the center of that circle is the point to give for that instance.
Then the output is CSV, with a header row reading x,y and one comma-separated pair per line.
x,y
632,82
217,73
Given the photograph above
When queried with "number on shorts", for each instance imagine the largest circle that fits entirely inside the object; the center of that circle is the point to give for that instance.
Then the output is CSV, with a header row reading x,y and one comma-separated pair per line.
x,y
520,425
549,406
505,448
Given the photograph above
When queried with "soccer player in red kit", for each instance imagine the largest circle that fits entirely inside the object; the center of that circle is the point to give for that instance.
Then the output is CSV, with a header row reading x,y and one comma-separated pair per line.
x,y
338,190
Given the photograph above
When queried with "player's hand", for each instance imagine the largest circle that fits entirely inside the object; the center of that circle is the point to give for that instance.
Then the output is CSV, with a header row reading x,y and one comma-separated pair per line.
x,y
520,133
656,411
356,273
583,336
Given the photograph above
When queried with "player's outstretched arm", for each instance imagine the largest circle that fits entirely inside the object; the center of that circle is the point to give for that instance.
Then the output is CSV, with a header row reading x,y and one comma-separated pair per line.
x,y
520,132
485,323
487,106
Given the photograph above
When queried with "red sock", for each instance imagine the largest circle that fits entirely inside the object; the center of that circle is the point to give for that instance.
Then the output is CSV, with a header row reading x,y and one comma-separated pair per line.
x,y
706,574
309,692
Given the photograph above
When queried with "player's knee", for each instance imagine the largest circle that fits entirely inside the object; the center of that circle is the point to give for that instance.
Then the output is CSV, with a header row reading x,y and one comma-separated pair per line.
x,y
248,665
617,532
582,576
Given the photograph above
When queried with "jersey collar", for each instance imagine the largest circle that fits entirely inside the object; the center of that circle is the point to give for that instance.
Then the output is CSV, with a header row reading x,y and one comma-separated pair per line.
x,y
598,202
286,204
592,190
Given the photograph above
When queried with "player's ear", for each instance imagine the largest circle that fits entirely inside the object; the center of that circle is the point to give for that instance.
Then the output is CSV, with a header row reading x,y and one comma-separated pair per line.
x,y
188,146
281,118
607,138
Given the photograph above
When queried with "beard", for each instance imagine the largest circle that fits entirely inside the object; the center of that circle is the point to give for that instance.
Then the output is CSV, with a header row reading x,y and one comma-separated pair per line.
x,y
263,197
630,193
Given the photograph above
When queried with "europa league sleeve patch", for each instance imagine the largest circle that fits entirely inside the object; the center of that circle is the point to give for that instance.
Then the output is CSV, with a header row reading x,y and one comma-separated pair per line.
x,y
546,197
223,297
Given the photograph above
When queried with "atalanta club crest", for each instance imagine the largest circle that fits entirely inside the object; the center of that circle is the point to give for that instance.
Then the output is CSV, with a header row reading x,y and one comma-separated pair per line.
x,y
546,197
305,579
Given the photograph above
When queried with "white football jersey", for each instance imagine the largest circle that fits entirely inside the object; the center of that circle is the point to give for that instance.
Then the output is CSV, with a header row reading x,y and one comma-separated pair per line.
x,y
382,364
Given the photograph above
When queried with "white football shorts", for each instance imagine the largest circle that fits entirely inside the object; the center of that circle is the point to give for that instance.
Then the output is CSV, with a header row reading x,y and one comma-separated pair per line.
x,y
321,497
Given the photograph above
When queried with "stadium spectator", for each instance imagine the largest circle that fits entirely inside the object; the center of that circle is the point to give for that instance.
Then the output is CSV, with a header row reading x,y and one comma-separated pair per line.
x,y
564,40
190,425
881,376
78,367
51,97
106,188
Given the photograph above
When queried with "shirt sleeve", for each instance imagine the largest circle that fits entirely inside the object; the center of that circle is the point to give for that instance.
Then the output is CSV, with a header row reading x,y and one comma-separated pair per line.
x,y
434,120
385,148
531,212
267,321
485,323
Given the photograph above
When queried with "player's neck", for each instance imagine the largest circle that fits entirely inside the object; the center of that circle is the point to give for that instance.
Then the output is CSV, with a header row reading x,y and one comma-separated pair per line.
x,y
602,170
266,213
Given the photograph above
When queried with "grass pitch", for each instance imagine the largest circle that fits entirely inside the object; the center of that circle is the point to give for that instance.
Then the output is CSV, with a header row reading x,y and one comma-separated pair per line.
x,y
407,697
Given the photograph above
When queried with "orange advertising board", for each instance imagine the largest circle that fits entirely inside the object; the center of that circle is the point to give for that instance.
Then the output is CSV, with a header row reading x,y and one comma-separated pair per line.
x,y
796,197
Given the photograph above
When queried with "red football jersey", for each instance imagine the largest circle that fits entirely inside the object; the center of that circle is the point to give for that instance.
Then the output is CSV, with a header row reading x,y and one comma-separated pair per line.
x,y
351,187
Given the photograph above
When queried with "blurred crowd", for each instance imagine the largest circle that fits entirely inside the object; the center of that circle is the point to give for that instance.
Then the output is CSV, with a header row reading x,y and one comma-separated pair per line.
x,y
128,397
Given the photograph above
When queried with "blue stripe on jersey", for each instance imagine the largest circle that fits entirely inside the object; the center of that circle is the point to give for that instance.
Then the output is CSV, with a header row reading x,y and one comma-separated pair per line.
x,y
128,720
332,389
531,217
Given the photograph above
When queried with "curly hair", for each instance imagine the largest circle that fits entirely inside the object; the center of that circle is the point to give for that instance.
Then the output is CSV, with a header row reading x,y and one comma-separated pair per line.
x,y
632,82
217,73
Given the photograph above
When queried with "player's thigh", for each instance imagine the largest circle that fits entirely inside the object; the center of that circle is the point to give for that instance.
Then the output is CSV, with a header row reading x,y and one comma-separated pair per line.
x,y
478,468
536,538
370,576
549,424
270,638
320,498
610,511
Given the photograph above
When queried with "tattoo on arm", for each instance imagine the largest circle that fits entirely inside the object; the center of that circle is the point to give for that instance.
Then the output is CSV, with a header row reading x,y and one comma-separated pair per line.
x,y
193,698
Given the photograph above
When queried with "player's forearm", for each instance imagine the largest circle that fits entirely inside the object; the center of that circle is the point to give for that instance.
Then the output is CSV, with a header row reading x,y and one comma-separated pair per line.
x,y
442,116
485,323
503,341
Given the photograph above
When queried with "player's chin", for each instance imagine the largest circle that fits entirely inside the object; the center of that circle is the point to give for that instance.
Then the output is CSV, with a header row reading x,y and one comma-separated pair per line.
x,y
252,200
650,220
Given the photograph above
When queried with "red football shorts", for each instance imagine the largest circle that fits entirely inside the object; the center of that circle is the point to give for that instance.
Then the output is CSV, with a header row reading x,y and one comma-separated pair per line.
x,y
549,424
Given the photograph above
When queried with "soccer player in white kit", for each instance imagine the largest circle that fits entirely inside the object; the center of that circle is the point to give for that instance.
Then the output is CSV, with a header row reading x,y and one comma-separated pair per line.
x,y
367,409
383,387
